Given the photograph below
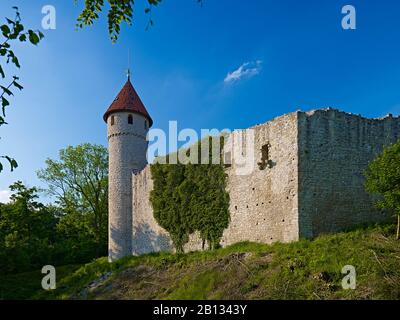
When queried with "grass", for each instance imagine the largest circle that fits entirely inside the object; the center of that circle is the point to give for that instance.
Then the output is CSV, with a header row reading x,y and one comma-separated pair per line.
x,y
307,269
26,285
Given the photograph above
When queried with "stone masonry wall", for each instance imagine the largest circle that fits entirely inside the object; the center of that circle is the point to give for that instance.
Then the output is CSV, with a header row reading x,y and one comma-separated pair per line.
x,y
335,149
127,147
148,236
263,202
308,180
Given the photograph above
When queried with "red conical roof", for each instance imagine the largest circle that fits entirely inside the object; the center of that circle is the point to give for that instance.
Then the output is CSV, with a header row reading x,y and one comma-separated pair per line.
x,y
128,100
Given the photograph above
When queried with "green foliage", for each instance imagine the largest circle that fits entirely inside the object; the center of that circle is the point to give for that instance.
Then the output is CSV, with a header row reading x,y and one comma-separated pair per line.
x,y
209,201
119,11
191,197
383,179
12,30
79,181
169,202
74,230
33,234
27,231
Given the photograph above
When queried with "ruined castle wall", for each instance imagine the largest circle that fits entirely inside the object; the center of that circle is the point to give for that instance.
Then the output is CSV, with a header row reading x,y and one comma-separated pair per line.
x,y
263,202
308,180
148,236
334,151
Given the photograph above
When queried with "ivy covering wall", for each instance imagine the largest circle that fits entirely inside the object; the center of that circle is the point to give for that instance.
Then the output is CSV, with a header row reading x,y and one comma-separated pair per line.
x,y
191,197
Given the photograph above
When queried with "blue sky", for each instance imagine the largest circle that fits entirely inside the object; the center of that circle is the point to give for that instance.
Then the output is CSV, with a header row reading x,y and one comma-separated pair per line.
x,y
294,55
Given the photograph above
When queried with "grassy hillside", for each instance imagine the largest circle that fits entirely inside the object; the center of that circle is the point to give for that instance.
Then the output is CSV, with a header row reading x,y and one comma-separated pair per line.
x,y
301,270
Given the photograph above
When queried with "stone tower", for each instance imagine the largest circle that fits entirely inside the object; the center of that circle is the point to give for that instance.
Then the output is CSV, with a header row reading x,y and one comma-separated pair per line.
x,y
127,124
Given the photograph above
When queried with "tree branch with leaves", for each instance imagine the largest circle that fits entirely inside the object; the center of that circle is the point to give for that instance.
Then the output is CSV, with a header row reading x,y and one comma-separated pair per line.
x,y
120,11
12,31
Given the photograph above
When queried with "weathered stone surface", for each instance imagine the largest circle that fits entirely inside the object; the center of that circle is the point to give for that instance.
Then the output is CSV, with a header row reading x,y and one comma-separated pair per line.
x,y
263,204
127,147
148,236
307,180
334,151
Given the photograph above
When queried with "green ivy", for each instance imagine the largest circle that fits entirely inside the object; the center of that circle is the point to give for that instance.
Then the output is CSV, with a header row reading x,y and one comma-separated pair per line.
x,y
191,197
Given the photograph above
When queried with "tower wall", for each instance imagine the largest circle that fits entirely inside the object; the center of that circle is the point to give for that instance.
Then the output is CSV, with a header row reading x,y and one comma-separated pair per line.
x,y
127,148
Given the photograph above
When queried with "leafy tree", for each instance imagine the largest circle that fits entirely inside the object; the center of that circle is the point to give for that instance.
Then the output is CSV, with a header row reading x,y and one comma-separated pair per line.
x,y
119,11
33,234
76,241
383,179
27,231
12,31
79,181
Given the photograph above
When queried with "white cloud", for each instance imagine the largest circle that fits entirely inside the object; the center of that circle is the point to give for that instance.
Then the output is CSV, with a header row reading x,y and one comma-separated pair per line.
x,y
246,70
5,196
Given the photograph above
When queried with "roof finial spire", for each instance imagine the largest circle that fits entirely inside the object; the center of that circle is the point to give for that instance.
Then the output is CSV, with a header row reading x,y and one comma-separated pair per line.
x,y
129,65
